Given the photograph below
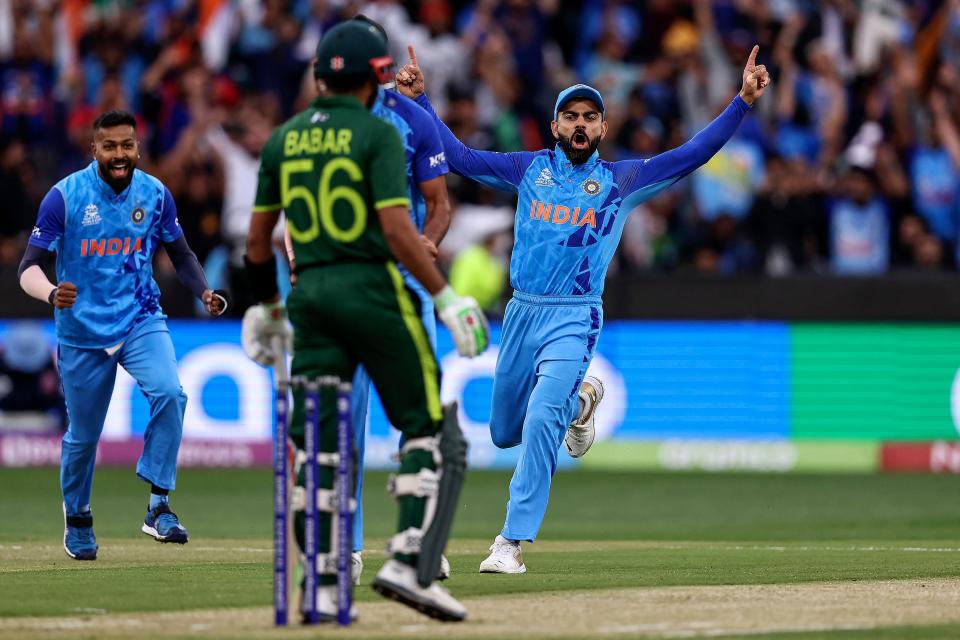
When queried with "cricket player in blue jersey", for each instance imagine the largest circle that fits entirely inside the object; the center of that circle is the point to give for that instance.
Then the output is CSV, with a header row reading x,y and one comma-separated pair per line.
x,y
571,210
430,210
105,223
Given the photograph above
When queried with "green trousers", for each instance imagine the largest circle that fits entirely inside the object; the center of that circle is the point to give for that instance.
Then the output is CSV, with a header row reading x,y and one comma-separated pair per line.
x,y
361,313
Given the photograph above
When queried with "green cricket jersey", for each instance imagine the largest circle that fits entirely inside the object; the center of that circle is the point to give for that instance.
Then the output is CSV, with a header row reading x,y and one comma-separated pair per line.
x,y
330,168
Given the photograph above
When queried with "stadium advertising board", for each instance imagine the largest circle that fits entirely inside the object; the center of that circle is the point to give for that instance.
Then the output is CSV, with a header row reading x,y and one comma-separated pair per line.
x,y
760,396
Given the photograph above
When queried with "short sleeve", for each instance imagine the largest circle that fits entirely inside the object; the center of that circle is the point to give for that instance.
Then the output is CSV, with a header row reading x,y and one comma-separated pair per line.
x,y
268,178
429,159
388,173
50,221
169,225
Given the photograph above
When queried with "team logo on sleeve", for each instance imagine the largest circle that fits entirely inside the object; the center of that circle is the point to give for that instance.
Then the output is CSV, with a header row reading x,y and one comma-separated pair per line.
x,y
36,232
137,215
591,187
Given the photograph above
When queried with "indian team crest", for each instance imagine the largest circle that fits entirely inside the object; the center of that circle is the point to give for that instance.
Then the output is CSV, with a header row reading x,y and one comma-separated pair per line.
x,y
591,187
137,215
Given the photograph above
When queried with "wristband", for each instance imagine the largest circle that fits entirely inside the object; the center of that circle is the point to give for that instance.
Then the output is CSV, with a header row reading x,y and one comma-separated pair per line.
x,y
53,294
445,297
262,277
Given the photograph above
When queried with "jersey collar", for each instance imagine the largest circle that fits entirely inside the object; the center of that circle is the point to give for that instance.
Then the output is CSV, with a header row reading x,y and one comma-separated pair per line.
x,y
565,163
326,102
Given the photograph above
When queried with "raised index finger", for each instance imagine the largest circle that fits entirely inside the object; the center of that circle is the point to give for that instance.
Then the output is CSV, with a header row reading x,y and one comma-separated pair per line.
x,y
753,55
413,55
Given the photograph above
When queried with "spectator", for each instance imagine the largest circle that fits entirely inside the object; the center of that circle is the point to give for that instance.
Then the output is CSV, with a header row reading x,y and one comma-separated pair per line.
x,y
727,183
788,218
859,227
935,172
874,85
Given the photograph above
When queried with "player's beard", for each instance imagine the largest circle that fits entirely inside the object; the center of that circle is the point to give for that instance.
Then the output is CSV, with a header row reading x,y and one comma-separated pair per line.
x,y
117,182
578,155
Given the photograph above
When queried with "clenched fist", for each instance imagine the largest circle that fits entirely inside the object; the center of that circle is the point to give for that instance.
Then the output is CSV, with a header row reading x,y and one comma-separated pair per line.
x,y
64,296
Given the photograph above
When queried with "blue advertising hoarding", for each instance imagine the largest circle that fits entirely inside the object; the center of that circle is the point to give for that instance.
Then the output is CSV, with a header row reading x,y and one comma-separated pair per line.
x,y
663,380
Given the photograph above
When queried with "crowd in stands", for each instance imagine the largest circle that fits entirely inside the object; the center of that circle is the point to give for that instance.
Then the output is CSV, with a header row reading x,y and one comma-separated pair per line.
x,y
849,164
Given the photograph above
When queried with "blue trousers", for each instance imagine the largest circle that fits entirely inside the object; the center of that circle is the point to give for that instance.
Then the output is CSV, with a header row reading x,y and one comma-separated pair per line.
x,y
88,376
360,402
546,346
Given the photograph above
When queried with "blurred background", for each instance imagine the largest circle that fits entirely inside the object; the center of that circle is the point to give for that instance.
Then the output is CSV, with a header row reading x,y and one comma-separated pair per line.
x,y
791,305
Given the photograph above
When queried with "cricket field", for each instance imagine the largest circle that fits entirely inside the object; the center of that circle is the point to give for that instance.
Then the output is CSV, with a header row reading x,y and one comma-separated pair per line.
x,y
621,555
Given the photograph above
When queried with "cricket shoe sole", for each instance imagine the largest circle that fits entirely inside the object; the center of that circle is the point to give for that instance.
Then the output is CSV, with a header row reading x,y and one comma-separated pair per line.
x,y
398,581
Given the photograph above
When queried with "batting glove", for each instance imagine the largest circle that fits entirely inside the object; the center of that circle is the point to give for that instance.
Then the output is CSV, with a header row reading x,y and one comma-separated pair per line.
x,y
261,324
466,321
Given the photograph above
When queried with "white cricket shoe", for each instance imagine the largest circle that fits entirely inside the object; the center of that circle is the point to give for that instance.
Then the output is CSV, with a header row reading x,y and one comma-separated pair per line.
x,y
398,581
444,572
505,557
356,566
581,432
327,605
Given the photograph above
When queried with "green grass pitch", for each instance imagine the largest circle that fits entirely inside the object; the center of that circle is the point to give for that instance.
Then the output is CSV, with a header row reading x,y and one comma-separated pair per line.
x,y
620,555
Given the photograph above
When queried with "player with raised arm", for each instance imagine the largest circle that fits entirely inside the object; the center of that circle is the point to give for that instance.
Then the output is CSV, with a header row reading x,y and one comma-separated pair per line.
x,y
570,214
426,169
105,223
339,174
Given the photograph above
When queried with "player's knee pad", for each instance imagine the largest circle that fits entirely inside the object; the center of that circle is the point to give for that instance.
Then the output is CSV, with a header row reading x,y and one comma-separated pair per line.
x,y
440,488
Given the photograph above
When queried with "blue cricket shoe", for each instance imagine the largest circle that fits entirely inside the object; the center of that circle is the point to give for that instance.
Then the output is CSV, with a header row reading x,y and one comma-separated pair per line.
x,y
78,539
163,525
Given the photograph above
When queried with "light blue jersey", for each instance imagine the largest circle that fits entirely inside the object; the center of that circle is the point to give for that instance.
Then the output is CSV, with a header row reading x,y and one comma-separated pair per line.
x,y
105,243
570,217
567,226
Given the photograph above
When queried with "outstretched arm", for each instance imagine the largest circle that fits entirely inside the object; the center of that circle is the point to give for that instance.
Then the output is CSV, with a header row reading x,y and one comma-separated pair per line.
x,y
497,170
661,171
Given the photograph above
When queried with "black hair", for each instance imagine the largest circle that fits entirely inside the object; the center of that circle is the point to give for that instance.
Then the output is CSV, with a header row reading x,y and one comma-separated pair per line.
x,y
348,83
114,118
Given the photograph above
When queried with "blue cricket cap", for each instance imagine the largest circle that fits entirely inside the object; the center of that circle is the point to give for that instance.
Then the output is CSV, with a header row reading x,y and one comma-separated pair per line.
x,y
583,91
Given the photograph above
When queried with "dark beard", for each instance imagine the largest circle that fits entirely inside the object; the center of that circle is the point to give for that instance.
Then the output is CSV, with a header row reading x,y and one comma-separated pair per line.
x,y
577,156
117,185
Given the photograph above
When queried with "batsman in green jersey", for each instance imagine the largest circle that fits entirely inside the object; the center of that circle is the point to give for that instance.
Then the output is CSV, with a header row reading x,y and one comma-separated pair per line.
x,y
338,172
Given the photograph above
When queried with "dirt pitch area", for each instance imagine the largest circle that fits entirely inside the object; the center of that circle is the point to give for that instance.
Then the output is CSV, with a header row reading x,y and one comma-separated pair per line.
x,y
668,612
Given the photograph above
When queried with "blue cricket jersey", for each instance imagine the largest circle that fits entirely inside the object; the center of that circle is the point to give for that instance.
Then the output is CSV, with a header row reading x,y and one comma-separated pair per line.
x,y
425,155
105,243
570,217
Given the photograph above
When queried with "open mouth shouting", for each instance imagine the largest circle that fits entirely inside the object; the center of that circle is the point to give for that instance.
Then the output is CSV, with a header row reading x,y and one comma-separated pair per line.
x,y
579,140
119,169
